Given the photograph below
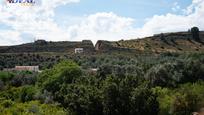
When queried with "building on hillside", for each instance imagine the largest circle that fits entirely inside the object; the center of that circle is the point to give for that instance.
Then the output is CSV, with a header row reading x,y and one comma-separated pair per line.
x,y
27,68
93,71
79,50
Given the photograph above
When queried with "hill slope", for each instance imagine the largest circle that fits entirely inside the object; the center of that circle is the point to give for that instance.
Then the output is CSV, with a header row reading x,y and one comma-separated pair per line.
x,y
44,46
169,42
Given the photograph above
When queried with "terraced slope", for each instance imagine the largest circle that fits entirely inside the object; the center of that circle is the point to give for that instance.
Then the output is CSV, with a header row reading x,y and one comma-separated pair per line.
x,y
44,46
169,42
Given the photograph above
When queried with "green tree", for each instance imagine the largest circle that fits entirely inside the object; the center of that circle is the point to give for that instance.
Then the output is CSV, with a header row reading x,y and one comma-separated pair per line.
x,y
117,93
81,99
195,33
63,81
6,76
181,100
27,93
185,104
53,79
144,102
193,71
165,75
111,97
8,107
1,85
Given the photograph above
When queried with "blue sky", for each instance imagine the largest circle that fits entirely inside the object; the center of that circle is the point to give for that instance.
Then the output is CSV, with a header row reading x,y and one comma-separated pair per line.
x,y
129,8
76,20
137,9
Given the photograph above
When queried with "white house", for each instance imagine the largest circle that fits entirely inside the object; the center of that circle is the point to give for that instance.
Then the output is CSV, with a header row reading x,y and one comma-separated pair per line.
x,y
79,50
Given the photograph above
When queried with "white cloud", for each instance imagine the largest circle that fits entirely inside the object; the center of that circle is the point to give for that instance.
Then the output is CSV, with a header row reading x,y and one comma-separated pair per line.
x,y
38,21
103,26
6,39
196,4
173,22
109,26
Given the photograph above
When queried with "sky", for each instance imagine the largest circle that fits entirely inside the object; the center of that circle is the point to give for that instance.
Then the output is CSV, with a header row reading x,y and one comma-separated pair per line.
x,y
76,20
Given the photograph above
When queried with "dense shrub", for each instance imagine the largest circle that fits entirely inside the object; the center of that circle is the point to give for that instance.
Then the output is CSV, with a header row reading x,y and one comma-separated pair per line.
x,y
22,79
144,102
11,94
1,85
6,76
128,96
164,84
21,94
65,72
183,100
8,107
175,73
165,75
193,71
27,93
81,99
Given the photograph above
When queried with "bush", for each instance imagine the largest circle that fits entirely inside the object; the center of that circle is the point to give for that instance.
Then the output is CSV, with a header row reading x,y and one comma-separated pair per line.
x,y
81,99
144,102
21,94
22,79
193,71
181,100
165,75
119,97
11,94
65,72
8,107
27,93
1,85
6,76
7,103
184,104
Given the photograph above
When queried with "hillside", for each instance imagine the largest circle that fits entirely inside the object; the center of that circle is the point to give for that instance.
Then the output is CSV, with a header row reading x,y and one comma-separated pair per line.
x,y
168,42
44,46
